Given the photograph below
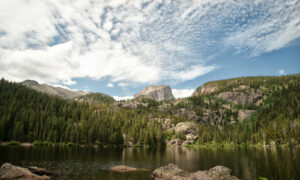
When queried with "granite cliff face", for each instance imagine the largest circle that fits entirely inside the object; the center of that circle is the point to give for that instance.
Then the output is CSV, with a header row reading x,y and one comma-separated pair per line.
x,y
159,93
55,91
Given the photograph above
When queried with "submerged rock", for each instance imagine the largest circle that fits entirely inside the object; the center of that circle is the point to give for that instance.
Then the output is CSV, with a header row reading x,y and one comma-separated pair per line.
x,y
173,172
40,171
10,172
123,168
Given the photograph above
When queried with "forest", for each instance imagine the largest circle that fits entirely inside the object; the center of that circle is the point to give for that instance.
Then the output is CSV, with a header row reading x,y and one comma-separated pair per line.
x,y
30,116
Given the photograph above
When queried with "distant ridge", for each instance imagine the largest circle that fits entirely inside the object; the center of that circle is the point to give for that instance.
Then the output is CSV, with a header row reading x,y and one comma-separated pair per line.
x,y
55,91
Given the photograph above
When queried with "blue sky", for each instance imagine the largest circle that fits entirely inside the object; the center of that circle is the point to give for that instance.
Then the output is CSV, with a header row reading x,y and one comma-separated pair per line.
x,y
118,47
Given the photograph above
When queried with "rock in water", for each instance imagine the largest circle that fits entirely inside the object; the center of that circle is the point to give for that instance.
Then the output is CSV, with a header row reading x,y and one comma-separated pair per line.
x,y
123,168
173,172
39,171
159,93
10,172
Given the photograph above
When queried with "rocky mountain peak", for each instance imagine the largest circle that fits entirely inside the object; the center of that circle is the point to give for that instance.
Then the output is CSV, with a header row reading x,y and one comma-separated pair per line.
x,y
159,93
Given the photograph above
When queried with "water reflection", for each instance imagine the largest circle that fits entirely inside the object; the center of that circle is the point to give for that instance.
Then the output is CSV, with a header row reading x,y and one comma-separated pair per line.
x,y
91,163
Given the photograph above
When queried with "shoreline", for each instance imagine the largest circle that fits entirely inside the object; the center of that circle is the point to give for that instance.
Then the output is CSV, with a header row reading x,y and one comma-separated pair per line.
x,y
47,144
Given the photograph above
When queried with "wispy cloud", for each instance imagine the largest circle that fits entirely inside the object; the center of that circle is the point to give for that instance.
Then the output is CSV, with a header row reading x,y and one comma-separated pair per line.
x,y
136,41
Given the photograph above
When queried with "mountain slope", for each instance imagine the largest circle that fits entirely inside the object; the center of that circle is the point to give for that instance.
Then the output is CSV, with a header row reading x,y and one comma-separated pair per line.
x,y
56,91
95,98
80,96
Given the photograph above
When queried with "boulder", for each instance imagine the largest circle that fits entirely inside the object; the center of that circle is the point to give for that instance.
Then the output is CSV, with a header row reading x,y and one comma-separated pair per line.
x,y
173,172
10,172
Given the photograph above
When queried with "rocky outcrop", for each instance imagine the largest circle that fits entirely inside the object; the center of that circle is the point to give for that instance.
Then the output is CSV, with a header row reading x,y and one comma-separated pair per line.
x,y
189,131
10,172
243,114
159,93
242,98
173,172
123,169
55,91
185,127
205,89
191,115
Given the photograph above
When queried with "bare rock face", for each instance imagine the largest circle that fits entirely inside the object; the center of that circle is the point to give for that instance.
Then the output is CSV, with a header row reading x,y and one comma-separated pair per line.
x,y
242,98
173,172
159,93
10,172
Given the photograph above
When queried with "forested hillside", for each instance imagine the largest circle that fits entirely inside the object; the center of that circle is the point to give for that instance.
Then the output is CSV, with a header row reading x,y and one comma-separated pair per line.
x,y
252,110
28,115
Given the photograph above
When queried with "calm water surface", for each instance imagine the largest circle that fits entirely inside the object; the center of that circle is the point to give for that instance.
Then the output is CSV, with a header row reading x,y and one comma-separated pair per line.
x,y
90,164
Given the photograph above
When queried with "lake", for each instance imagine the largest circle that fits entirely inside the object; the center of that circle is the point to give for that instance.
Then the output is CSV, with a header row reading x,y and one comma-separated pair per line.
x,y
93,163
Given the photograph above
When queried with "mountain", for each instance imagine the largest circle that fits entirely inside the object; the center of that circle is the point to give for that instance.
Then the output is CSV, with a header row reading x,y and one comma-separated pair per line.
x,y
261,110
159,93
55,91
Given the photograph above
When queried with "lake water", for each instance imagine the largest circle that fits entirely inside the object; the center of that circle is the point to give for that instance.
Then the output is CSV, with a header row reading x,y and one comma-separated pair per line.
x,y
89,163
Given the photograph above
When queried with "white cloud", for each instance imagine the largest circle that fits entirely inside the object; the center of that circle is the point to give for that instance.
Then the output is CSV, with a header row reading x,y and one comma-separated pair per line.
x,y
129,42
281,72
119,98
111,85
194,72
276,25
181,93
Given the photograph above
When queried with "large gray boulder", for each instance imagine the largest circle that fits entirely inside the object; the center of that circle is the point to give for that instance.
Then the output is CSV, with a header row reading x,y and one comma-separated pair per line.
x,y
173,172
10,172
159,93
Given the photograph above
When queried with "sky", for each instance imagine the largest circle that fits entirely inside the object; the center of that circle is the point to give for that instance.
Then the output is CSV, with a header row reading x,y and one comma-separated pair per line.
x,y
118,47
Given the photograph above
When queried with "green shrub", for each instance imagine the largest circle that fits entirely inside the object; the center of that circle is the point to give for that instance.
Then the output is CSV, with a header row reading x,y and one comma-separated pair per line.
x,y
13,143
70,144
